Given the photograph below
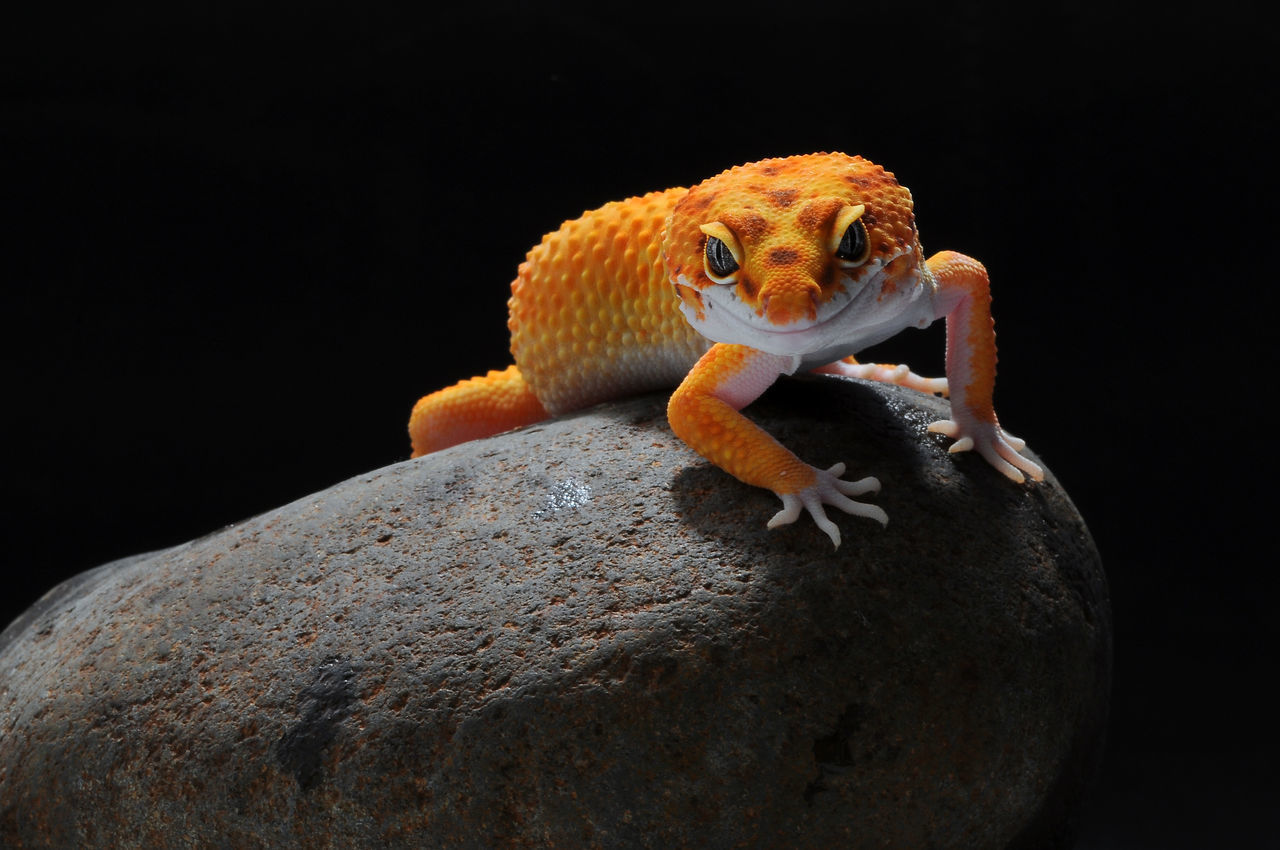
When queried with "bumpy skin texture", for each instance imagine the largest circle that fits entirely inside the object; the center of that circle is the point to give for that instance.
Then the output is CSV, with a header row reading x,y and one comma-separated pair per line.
x,y
778,265
592,317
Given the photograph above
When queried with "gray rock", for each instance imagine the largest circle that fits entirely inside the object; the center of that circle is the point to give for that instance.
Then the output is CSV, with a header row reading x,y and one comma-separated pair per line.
x,y
581,635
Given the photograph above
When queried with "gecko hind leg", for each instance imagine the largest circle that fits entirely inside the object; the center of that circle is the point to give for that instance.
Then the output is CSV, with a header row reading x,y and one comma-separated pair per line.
x,y
887,373
471,409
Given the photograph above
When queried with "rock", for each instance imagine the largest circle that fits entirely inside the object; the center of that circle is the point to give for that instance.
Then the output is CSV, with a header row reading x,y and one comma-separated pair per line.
x,y
581,635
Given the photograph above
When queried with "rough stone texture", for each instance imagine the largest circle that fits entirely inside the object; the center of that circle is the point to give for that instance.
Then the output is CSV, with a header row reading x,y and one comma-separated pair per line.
x,y
581,635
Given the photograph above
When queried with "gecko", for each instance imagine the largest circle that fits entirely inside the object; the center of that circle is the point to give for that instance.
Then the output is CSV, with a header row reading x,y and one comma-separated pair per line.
x,y
771,268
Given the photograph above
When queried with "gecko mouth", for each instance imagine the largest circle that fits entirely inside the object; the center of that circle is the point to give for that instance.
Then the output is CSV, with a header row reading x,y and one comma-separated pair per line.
x,y
858,314
849,290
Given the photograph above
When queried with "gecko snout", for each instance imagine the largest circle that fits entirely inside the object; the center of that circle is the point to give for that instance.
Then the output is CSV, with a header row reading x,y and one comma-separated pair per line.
x,y
793,300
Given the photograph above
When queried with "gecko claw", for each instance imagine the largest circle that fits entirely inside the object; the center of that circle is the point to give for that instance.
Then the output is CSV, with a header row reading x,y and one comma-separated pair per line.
x,y
829,489
790,512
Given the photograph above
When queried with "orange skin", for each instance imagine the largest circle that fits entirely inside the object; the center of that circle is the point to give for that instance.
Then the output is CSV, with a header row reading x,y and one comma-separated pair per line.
x,y
701,417
770,267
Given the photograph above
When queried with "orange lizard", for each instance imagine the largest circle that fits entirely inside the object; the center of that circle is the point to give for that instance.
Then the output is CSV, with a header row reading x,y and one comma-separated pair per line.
x,y
764,270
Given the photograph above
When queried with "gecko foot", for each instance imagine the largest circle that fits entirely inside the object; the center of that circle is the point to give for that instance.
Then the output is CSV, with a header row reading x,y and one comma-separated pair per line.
x,y
829,490
997,445
887,373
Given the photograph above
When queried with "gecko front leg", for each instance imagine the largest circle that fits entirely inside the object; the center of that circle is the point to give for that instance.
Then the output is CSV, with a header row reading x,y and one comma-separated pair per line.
x,y
964,297
703,412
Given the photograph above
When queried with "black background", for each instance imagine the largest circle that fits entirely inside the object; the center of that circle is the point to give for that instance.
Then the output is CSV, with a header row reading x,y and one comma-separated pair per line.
x,y
240,241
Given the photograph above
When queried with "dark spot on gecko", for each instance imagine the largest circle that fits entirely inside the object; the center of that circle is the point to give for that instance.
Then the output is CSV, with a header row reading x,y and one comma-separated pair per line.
x,y
697,202
818,212
748,287
783,197
747,224
782,257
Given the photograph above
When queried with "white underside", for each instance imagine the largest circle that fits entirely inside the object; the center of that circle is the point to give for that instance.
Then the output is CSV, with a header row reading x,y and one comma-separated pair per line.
x,y
852,320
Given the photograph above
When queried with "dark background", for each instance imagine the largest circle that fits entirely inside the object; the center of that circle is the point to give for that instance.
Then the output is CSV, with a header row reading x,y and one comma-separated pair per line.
x,y
240,241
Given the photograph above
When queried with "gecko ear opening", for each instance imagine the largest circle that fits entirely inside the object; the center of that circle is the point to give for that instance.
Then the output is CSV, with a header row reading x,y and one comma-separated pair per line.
x,y
721,254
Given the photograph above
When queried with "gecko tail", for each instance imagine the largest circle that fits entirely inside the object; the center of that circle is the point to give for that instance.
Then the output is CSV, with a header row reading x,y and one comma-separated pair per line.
x,y
471,409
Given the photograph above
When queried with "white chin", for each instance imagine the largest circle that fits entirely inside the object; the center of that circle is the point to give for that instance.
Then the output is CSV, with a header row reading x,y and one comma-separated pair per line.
x,y
854,319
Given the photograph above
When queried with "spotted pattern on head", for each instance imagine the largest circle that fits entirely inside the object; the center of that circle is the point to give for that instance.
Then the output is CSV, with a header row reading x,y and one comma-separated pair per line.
x,y
782,212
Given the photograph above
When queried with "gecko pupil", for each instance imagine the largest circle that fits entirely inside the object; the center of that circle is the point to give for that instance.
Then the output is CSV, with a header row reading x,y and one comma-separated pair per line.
x,y
853,245
719,258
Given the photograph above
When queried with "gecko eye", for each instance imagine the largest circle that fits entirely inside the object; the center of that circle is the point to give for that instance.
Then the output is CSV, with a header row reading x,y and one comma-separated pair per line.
x,y
853,245
720,261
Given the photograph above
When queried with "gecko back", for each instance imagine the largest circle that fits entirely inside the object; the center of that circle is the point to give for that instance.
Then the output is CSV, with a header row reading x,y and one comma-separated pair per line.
x,y
593,315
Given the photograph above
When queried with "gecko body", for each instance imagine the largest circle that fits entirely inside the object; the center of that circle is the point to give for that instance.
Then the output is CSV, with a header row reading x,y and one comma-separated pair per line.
x,y
769,268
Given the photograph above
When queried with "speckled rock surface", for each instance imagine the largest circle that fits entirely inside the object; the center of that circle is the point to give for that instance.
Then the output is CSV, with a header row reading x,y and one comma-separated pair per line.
x,y
581,635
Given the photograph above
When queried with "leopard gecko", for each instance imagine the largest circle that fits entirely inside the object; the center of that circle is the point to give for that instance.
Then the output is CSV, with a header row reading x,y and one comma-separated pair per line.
x,y
766,269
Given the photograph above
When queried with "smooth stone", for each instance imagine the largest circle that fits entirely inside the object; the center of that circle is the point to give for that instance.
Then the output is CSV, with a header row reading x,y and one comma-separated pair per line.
x,y
581,634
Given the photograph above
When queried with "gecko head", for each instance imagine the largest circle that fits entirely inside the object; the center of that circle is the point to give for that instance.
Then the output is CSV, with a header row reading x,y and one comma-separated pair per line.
x,y
783,253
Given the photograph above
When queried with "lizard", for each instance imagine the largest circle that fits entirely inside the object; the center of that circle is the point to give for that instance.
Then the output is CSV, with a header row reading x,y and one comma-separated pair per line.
x,y
770,268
